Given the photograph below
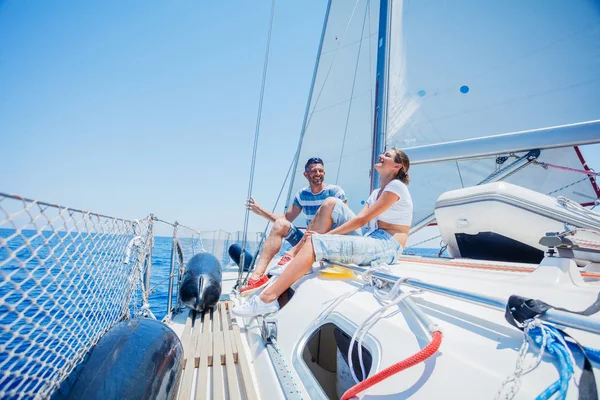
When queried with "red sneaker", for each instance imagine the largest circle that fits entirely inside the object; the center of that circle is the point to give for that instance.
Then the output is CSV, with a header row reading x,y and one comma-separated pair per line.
x,y
281,265
287,257
253,285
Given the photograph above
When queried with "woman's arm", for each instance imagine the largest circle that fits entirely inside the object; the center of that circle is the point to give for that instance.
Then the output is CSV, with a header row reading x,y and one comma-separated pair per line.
x,y
384,202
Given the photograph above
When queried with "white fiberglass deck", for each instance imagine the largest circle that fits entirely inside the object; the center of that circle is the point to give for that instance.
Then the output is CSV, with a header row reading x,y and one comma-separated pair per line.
x,y
479,348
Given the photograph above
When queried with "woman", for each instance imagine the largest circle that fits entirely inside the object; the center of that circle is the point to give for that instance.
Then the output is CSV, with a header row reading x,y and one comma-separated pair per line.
x,y
388,213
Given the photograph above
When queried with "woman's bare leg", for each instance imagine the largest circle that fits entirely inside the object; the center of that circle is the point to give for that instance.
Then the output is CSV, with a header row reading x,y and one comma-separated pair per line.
x,y
297,268
294,250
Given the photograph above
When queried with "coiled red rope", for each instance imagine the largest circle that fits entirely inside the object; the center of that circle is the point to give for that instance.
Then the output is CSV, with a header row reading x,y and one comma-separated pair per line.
x,y
413,360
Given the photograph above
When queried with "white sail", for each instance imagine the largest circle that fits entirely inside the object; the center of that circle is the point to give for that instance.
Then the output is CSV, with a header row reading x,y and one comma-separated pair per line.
x,y
339,122
471,69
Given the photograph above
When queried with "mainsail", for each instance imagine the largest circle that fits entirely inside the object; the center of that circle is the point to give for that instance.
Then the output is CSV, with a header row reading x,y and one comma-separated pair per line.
x,y
472,69
455,71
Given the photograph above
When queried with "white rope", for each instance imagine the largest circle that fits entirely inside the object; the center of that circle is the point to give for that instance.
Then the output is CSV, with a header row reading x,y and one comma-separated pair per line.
x,y
578,209
575,377
137,241
364,328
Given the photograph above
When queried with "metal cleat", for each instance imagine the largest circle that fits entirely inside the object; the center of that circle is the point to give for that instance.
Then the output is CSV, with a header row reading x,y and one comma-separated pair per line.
x,y
559,239
269,330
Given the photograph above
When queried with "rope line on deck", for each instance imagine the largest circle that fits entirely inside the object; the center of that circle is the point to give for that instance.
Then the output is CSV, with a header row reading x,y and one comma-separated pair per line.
x,y
411,361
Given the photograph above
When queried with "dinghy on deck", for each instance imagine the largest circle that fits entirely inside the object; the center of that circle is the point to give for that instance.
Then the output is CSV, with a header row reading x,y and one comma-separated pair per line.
x,y
504,222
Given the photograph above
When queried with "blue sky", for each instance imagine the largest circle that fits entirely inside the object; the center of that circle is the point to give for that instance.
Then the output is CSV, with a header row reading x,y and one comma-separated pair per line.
x,y
135,107
138,107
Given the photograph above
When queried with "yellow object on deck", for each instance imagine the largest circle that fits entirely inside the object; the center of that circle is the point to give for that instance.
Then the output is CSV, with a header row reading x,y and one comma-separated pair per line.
x,y
336,272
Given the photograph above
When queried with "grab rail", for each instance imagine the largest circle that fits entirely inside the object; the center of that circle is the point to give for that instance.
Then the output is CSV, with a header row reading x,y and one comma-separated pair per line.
x,y
554,316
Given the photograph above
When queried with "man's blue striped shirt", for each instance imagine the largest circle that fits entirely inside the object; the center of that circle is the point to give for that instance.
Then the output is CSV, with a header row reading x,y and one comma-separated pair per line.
x,y
310,202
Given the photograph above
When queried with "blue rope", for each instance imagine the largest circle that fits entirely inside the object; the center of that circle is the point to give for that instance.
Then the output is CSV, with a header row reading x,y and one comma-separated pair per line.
x,y
593,354
555,347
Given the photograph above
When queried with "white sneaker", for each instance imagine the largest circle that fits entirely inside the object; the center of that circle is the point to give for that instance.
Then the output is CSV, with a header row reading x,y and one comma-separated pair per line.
x,y
255,307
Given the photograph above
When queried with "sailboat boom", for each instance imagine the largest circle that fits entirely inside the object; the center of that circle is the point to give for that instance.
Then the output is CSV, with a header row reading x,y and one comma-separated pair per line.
x,y
546,138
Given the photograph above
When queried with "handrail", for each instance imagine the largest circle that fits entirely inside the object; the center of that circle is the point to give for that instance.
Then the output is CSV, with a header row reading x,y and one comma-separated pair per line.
x,y
554,316
173,224
44,203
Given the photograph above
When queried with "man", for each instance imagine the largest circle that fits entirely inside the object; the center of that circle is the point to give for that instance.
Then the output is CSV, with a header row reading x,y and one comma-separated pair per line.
x,y
307,200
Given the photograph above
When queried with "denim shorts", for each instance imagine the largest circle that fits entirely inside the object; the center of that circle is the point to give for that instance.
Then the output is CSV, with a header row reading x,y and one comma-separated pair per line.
x,y
294,235
377,247
354,248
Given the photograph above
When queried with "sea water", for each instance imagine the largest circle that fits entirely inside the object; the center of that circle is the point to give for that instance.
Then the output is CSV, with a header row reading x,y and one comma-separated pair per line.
x,y
161,265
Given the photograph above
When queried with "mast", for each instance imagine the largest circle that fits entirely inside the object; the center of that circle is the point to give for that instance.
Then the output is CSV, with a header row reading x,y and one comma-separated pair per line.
x,y
381,84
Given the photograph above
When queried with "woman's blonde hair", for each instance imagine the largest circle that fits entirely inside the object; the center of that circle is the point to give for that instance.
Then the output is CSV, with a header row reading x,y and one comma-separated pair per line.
x,y
402,158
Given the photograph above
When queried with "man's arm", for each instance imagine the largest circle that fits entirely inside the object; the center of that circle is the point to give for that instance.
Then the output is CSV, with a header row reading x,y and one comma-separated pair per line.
x,y
258,210
292,212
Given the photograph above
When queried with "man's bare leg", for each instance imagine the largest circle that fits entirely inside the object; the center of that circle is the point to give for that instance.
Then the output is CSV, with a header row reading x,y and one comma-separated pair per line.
x,y
281,227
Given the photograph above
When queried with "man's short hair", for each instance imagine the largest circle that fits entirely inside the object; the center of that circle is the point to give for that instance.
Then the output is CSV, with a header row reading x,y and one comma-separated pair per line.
x,y
313,160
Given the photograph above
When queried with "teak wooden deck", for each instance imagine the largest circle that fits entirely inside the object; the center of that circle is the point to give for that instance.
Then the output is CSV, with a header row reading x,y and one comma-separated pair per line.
x,y
213,354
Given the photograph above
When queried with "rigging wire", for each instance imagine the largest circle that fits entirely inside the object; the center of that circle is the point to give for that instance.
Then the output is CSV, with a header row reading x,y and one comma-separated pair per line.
x,y
459,174
367,3
421,242
256,135
264,234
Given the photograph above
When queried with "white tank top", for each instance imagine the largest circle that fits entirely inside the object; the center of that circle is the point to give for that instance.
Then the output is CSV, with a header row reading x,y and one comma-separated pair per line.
x,y
399,213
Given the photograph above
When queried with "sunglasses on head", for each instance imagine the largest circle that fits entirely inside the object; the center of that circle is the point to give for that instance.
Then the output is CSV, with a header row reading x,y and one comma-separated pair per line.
x,y
313,160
